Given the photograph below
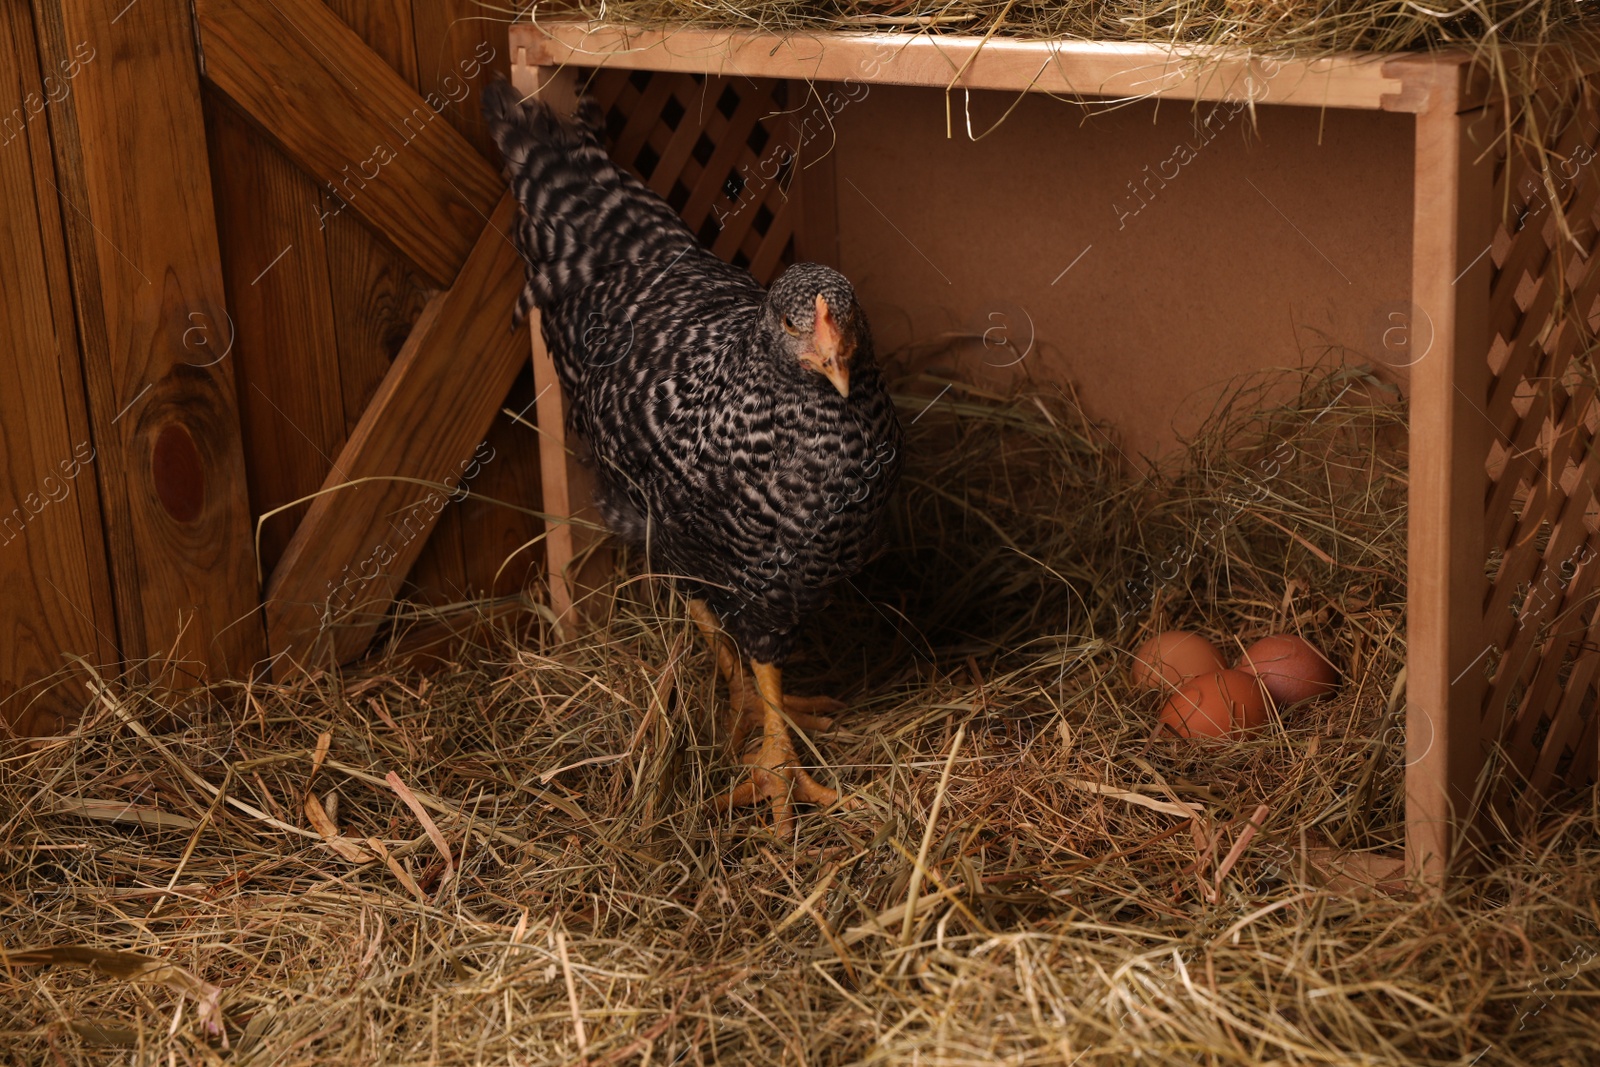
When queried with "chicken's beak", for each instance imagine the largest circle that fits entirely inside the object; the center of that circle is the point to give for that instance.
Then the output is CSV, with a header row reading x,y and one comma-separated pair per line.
x,y
833,351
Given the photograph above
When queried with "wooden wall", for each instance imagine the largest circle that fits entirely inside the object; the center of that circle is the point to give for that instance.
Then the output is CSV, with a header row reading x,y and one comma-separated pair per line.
x,y
320,329
193,325
55,589
1149,252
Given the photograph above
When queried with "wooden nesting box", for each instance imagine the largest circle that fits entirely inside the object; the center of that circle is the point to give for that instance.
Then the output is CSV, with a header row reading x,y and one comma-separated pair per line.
x,y
1377,196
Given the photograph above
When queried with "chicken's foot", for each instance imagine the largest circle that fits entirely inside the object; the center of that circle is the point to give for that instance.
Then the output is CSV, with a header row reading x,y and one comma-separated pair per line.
x,y
745,703
775,774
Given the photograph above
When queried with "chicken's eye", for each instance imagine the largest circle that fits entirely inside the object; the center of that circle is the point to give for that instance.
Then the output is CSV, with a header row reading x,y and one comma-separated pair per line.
x,y
789,327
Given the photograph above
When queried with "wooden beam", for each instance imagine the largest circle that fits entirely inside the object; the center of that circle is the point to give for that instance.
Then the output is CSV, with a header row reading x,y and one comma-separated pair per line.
x,y
344,116
285,354
555,481
136,200
1115,70
567,487
500,546
1452,227
361,536
379,296
55,590
453,39
388,27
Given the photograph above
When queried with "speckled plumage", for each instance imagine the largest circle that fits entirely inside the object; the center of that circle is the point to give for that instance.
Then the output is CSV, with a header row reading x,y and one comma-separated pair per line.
x,y
741,470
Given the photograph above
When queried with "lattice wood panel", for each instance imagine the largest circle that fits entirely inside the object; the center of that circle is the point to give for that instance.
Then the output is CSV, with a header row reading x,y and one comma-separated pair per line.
x,y
1542,611
719,150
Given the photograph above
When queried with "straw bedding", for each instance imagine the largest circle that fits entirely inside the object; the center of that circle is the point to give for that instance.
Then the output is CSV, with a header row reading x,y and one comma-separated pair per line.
x,y
511,858
1300,27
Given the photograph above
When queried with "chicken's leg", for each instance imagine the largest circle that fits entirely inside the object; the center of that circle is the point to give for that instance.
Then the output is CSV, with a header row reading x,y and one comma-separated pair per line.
x,y
806,713
774,774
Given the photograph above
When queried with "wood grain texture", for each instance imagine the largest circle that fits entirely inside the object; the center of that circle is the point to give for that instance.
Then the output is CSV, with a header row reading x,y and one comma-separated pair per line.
x,y
461,40
131,158
459,50
1087,68
557,469
386,27
1453,225
55,596
377,297
284,338
377,301
503,549
345,117
426,422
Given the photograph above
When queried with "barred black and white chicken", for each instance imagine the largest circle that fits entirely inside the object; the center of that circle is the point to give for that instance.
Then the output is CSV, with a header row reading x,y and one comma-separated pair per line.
x,y
743,436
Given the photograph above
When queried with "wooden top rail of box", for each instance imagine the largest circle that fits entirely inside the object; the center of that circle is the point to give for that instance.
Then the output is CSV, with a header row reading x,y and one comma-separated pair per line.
x,y
1401,82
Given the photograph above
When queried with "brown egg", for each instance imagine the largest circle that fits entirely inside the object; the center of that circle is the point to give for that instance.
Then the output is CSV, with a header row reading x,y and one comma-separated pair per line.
x,y
1219,704
1172,658
1291,668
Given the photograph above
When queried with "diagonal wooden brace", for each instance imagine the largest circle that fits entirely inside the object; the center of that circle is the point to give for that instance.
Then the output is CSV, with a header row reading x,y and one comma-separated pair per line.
x,y
346,118
427,422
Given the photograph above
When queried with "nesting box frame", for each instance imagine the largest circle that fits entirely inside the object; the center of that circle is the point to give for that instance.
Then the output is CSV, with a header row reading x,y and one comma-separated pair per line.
x,y
1503,635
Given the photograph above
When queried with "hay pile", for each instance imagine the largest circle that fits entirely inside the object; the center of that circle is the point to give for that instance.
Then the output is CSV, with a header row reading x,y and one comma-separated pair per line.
x,y
512,859
1300,27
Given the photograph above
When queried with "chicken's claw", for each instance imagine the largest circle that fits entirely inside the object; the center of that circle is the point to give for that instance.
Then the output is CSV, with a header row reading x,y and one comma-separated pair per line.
x,y
811,714
776,778
775,773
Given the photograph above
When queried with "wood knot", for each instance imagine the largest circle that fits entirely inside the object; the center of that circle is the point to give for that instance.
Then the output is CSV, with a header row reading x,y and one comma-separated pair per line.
x,y
179,477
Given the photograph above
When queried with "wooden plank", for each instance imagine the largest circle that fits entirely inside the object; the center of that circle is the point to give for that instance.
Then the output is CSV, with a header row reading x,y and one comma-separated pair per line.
x,y
55,595
575,557
555,474
503,548
566,487
816,237
1453,223
360,538
131,155
354,124
377,300
284,342
378,297
458,47
388,28
1116,70
457,43
375,295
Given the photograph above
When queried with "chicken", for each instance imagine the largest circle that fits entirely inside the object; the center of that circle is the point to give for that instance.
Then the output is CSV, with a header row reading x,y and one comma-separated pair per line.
x,y
743,437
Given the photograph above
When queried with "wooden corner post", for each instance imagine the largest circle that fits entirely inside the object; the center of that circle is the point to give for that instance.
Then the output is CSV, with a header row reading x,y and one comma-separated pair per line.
x,y
1453,225
565,485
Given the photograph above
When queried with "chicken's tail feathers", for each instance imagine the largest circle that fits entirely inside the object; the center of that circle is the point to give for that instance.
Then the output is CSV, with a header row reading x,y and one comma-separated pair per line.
x,y
581,212
500,101
588,115
519,125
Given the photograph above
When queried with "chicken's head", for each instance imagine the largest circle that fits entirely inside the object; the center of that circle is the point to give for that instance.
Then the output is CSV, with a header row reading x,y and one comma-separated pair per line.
x,y
811,316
